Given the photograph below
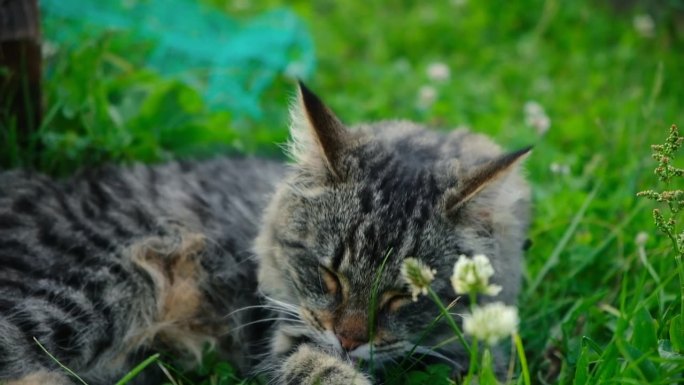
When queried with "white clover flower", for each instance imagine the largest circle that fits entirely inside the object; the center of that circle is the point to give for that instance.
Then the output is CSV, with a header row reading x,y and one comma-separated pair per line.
x,y
644,25
561,169
472,276
532,108
438,72
536,117
491,322
427,95
541,124
418,276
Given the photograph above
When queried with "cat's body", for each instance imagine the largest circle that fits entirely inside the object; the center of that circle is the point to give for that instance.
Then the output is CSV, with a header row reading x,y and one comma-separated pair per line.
x,y
103,266
107,267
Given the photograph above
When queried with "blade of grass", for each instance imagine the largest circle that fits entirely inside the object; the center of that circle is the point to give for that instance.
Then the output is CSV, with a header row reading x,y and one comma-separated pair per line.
x,y
71,372
373,306
449,319
423,334
555,254
139,368
613,234
523,360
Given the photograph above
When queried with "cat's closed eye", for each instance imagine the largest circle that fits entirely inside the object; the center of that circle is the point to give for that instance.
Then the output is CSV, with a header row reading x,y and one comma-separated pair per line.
x,y
392,301
331,281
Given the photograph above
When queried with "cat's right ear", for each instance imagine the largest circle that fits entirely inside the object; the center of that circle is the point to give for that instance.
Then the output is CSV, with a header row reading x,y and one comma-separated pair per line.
x,y
318,138
477,179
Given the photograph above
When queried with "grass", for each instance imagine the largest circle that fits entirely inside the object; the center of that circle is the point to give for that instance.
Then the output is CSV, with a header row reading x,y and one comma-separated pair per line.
x,y
591,312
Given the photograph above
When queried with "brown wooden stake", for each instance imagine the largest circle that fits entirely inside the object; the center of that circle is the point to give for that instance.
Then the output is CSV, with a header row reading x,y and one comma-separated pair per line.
x,y
20,67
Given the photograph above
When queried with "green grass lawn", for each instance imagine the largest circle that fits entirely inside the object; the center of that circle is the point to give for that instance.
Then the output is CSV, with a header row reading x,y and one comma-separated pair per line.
x,y
591,310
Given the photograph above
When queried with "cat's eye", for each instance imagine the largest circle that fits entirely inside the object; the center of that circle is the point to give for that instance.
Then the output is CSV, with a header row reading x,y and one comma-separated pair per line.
x,y
393,301
330,280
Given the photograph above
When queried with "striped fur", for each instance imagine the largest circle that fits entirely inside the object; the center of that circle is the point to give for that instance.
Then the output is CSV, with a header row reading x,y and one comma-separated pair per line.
x,y
110,265
287,272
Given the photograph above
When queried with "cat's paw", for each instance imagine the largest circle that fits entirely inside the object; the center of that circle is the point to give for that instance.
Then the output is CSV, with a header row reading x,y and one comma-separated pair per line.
x,y
308,366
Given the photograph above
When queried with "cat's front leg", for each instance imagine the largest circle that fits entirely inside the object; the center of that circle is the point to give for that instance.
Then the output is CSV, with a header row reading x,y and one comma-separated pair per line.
x,y
309,366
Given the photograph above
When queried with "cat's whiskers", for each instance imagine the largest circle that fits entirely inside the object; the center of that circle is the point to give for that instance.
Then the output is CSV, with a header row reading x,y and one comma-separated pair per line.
x,y
297,330
281,304
242,326
263,306
281,307
246,308
280,310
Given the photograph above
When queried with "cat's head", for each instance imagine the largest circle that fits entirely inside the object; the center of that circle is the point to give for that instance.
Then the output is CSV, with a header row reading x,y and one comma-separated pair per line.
x,y
357,203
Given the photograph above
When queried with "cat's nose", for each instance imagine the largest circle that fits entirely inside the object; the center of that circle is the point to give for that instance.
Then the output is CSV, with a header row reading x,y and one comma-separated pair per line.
x,y
351,329
349,343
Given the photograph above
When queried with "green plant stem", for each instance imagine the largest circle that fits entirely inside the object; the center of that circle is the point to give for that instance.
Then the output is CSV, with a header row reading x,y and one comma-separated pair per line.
x,y
523,360
678,261
473,366
671,233
449,318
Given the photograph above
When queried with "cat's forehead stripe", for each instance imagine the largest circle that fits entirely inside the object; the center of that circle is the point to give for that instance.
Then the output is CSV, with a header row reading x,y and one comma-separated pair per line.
x,y
337,256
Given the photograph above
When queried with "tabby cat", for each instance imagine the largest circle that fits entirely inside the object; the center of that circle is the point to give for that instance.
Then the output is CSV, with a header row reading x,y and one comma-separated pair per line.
x,y
288,271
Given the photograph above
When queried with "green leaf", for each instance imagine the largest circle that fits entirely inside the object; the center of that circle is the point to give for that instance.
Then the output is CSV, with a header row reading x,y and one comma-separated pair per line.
x,y
487,376
644,335
582,368
640,363
591,343
439,370
609,363
434,375
677,333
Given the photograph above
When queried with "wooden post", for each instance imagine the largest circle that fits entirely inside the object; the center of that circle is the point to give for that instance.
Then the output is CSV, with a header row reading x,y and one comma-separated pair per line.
x,y
20,67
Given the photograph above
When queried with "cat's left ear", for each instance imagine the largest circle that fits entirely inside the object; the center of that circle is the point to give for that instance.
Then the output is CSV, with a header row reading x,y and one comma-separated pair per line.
x,y
479,178
318,138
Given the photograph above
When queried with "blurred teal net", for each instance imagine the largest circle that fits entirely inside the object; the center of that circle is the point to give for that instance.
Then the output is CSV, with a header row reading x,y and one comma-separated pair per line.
x,y
232,62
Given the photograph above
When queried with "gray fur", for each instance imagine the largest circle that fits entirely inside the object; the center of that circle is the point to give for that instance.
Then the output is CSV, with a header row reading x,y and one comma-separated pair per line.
x,y
68,277
109,266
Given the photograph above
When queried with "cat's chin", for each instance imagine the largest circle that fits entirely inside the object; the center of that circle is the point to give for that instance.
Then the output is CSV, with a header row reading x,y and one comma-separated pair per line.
x,y
366,352
363,352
